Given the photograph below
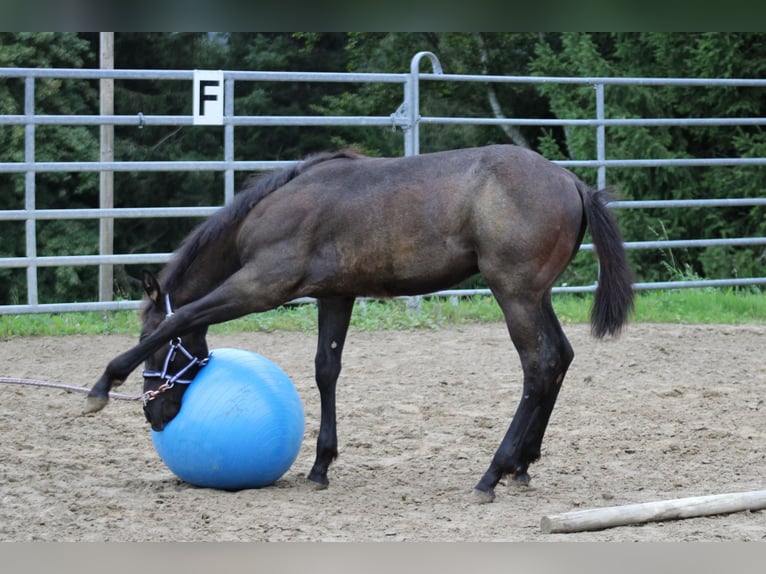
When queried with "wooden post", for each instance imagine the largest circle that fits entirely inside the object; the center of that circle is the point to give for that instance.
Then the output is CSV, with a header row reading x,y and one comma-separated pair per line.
x,y
601,518
106,180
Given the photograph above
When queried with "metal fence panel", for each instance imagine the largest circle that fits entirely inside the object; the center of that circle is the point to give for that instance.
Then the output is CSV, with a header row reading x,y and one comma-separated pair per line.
x,y
407,118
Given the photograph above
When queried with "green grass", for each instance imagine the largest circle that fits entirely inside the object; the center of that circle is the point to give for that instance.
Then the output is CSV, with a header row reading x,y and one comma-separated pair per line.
x,y
724,306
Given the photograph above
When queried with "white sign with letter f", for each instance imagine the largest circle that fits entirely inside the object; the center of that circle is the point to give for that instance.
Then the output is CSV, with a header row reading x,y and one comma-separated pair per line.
x,y
208,97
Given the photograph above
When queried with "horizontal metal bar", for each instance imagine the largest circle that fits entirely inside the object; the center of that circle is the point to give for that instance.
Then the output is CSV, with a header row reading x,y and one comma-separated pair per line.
x,y
650,122
741,282
142,120
592,80
361,121
92,166
138,120
243,75
662,203
214,165
83,260
254,76
96,74
115,213
679,162
682,243
70,307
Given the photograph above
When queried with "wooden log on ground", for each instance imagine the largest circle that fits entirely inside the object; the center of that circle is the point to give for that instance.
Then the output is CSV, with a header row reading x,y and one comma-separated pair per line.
x,y
601,518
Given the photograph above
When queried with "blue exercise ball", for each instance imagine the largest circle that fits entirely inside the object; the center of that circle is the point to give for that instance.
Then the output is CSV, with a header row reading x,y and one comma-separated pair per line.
x,y
240,425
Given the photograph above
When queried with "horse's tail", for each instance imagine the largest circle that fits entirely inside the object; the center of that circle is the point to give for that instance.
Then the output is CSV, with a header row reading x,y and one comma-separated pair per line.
x,y
613,301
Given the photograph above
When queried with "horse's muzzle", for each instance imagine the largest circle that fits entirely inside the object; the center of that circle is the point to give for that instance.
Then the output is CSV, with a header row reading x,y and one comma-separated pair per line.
x,y
160,411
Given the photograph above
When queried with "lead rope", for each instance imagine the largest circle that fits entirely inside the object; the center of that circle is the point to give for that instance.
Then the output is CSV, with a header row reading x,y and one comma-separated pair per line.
x,y
70,388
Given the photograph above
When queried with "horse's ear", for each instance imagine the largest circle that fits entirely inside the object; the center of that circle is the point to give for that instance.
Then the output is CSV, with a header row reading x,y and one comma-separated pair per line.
x,y
152,286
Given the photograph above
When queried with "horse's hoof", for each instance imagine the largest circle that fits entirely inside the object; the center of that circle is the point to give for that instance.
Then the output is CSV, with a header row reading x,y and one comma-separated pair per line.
x,y
94,404
317,485
482,496
520,479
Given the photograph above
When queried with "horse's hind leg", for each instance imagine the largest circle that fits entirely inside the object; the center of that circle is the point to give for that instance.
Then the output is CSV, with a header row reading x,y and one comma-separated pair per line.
x,y
334,318
545,356
562,357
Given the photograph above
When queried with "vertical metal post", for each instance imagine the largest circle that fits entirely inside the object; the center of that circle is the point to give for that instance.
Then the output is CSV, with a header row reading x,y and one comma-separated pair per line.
x,y
409,142
412,109
29,190
106,177
600,151
412,101
228,140
600,135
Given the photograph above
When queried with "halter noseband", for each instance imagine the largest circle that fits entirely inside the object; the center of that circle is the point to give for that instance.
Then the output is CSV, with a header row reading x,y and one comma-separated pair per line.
x,y
170,380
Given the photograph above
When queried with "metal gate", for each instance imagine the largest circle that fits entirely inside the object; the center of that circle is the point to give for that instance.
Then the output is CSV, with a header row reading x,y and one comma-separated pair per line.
x,y
407,118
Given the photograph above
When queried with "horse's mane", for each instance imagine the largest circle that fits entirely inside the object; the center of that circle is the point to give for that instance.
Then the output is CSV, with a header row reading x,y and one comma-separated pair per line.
x,y
230,216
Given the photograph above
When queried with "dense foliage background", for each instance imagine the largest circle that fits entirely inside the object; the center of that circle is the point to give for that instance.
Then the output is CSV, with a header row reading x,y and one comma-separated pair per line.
x,y
719,55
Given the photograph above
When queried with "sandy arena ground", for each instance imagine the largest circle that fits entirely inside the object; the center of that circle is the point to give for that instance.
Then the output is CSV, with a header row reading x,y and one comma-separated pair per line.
x,y
665,411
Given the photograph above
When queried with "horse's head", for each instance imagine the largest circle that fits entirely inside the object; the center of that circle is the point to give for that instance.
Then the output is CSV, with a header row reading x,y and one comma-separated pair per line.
x,y
169,370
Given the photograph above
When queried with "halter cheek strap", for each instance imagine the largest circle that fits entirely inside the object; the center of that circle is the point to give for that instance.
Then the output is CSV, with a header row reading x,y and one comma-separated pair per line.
x,y
169,380
168,306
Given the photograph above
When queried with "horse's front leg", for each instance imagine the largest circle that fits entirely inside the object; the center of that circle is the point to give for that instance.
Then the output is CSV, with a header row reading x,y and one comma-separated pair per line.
x,y
121,366
334,318
114,375
228,301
